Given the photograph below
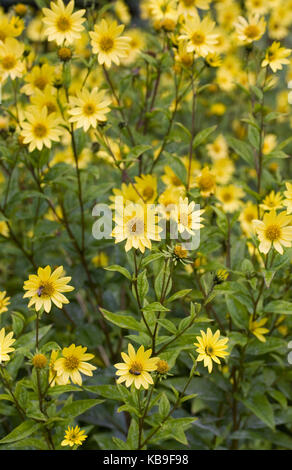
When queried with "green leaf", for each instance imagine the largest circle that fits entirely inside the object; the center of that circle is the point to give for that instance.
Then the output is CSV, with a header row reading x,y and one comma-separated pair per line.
x,y
164,406
78,407
142,285
121,320
237,311
155,307
25,429
120,269
243,149
262,408
202,136
281,307
178,295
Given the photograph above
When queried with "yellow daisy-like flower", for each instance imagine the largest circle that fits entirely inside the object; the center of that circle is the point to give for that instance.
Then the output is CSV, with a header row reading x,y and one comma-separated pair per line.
x,y
250,30
72,362
168,200
61,24
288,195
11,64
206,182
189,7
4,301
38,79
147,187
107,42
210,348
248,214
274,230
5,345
199,35
272,201
74,436
47,287
256,327
136,223
89,108
53,375
40,129
223,169
170,178
10,26
219,148
136,44
270,142
188,219
276,56
230,197
45,98
136,367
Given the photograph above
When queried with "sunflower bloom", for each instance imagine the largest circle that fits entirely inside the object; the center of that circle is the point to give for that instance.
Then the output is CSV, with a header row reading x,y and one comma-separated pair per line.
x,y
61,24
276,56
72,362
11,64
250,30
199,35
107,42
47,287
274,230
40,129
136,367
188,218
88,108
210,348
4,301
136,223
256,327
73,436
5,345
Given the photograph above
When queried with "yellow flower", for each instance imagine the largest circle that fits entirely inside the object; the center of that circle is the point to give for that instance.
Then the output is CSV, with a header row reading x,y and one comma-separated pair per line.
x,y
122,11
89,107
256,327
74,436
5,345
53,377
107,42
272,201
188,219
4,301
199,35
274,230
276,56
39,361
189,7
10,26
210,348
147,187
168,200
61,24
11,65
100,260
40,129
170,178
230,196
136,44
136,367
72,362
223,169
45,98
47,287
136,223
38,79
288,194
206,182
247,215
270,142
250,30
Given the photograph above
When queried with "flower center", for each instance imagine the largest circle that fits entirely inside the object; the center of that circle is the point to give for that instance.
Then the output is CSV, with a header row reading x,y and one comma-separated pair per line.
x,y
40,82
273,232
249,217
206,183
188,3
45,289
51,107
40,130
89,109
252,31
227,197
8,62
136,226
71,363
148,193
106,43
209,350
63,23
136,368
198,38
